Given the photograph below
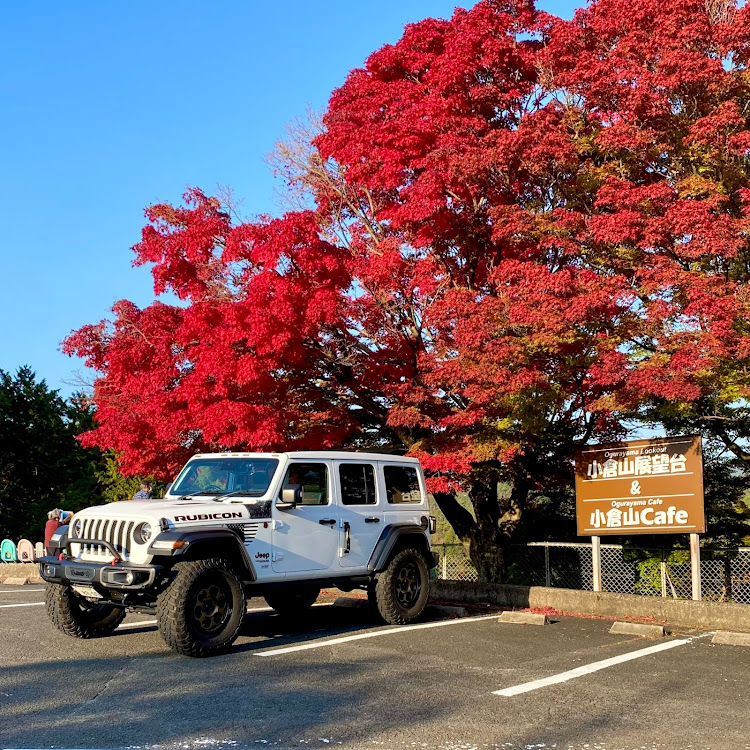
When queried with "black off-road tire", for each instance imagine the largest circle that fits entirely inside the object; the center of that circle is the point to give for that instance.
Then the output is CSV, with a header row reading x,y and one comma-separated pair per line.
x,y
292,602
78,617
402,589
201,611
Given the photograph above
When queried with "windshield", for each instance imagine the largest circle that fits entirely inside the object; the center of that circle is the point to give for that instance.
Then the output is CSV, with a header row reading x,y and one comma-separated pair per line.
x,y
219,476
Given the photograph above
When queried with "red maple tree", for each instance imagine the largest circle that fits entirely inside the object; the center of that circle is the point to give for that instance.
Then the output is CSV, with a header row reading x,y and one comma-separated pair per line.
x,y
521,231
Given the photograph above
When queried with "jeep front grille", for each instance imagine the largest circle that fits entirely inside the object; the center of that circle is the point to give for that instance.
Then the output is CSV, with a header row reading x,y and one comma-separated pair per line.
x,y
116,531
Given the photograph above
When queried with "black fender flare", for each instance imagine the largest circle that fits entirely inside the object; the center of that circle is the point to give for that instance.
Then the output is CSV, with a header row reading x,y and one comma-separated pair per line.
x,y
203,539
390,537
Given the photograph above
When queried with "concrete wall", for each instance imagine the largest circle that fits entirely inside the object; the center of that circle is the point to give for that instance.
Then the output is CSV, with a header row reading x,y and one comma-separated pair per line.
x,y
711,615
20,570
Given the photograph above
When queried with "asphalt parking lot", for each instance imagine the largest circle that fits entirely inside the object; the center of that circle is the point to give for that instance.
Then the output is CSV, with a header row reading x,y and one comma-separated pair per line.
x,y
339,678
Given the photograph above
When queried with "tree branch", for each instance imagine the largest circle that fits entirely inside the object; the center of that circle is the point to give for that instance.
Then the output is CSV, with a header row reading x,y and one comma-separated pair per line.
x,y
458,517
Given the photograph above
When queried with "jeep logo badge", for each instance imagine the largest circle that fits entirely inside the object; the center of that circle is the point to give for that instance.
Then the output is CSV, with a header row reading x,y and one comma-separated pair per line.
x,y
83,573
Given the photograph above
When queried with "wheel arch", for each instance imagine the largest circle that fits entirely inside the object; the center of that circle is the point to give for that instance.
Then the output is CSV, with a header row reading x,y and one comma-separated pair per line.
x,y
217,543
395,538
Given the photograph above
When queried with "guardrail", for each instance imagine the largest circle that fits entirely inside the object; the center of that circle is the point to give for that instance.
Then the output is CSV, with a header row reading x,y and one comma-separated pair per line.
x,y
725,572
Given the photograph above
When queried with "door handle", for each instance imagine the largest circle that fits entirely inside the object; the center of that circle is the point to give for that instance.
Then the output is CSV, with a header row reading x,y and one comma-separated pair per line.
x,y
327,521
347,537
372,519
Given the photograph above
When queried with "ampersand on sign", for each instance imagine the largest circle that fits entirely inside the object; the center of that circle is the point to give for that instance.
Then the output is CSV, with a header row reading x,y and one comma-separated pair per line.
x,y
635,488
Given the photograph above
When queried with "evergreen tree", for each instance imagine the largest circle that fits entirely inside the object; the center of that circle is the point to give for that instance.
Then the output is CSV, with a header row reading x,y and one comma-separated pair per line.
x,y
42,464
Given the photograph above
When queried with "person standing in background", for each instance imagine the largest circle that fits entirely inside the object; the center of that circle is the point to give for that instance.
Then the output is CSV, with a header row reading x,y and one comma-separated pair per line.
x,y
144,493
54,522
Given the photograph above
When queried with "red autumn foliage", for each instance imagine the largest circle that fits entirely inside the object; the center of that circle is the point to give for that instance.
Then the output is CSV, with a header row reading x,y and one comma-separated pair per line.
x,y
523,231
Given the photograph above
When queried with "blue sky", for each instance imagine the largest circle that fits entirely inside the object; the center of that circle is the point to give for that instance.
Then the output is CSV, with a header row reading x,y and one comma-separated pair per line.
x,y
108,107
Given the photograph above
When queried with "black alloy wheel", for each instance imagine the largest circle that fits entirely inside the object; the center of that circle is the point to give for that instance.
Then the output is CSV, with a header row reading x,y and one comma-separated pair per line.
x,y
212,605
408,584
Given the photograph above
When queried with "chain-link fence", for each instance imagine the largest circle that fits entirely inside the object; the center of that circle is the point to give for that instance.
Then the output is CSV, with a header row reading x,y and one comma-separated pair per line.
x,y
725,573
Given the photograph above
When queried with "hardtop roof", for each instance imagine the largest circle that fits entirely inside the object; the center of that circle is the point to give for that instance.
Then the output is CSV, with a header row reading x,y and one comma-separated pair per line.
x,y
336,455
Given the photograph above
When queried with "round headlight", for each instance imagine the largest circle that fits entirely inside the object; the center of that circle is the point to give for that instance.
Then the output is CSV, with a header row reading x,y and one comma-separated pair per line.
x,y
77,527
142,533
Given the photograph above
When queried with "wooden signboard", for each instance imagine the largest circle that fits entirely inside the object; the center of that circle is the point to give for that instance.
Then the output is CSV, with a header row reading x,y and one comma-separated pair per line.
x,y
641,487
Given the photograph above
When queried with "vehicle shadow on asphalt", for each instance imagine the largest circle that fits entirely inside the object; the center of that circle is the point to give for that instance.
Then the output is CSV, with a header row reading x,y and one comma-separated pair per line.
x,y
277,631
271,630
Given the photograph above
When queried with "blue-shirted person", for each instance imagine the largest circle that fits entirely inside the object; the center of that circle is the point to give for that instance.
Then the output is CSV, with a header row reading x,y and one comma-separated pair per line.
x,y
144,493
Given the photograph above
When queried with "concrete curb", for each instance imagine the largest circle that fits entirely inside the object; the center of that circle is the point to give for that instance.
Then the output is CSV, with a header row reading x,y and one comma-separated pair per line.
x,y
28,571
709,615
637,628
725,638
523,618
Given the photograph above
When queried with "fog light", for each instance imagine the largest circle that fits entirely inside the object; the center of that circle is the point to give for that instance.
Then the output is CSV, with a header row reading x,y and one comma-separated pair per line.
x,y
50,570
129,578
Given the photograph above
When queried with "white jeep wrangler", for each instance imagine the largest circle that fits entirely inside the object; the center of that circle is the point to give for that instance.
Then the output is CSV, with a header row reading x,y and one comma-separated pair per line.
x,y
237,525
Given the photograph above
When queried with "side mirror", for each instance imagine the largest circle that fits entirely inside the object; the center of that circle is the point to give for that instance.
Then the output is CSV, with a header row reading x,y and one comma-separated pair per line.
x,y
291,497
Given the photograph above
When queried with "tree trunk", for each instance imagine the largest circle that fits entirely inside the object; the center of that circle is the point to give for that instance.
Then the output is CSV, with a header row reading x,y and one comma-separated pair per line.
x,y
487,535
487,544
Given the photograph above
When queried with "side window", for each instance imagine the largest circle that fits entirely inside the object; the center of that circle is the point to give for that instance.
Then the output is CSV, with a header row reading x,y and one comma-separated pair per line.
x,y
314,481
402,484
357,484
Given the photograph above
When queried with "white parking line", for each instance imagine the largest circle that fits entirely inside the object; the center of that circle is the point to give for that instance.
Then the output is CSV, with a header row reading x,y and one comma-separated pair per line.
x,y
21,591
372,634
571,674
142,624
26,604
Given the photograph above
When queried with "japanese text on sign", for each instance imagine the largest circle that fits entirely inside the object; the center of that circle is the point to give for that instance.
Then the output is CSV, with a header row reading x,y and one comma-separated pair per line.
x,y
640,487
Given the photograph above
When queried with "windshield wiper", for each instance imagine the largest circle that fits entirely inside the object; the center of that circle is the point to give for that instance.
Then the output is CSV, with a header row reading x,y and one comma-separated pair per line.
x,y
193,495
242,493
219,496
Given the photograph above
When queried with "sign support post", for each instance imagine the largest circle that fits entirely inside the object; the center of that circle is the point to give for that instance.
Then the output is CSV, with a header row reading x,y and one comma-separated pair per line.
x,y
596,562
695,566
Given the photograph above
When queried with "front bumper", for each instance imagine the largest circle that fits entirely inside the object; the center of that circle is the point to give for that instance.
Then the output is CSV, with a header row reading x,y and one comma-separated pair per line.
x,y
118,576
